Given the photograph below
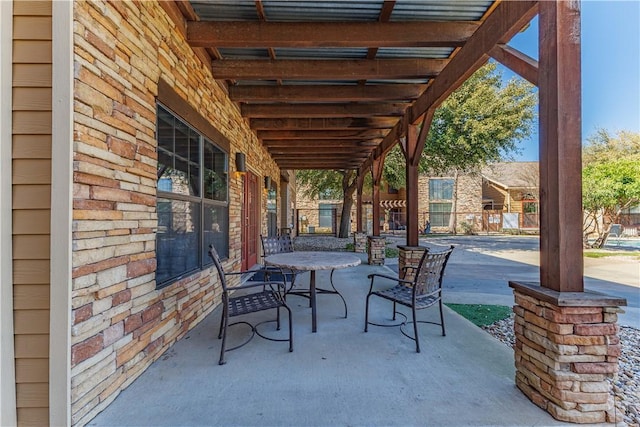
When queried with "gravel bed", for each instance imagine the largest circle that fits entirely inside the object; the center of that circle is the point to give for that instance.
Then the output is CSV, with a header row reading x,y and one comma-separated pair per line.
x,y
625,387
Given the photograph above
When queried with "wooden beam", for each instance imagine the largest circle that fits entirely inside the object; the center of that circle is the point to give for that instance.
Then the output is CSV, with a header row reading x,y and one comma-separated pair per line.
x,y
318,150
320,69
321,110
266,135
561,262
321,143
260,34
347,123
300,165
503,23
516,61
325,93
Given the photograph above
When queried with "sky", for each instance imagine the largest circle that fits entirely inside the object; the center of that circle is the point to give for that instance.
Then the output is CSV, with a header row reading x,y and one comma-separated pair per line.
x,y
610,32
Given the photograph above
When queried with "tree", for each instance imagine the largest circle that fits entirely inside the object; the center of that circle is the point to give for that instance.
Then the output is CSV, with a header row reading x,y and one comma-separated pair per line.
x,y
479,123
610,181
329,183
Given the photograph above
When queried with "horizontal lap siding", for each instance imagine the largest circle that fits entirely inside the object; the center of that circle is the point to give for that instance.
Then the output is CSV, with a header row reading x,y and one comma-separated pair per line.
x,y
31,181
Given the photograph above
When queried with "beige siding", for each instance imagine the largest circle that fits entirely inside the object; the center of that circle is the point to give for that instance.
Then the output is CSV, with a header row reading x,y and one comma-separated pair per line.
x,y
31,181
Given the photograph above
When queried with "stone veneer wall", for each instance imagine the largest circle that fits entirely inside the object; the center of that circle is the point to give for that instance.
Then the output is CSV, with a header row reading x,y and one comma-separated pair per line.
x,y
564,356
121,323
409,256
376,250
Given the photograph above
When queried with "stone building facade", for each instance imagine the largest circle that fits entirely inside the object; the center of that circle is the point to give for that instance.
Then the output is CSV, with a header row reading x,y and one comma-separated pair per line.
x,y
90,317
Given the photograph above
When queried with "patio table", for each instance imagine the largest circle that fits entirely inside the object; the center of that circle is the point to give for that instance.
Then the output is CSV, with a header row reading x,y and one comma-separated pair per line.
x,y
313,261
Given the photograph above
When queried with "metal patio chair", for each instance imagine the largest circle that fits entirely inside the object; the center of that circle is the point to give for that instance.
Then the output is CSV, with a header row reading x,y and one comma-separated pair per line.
x,y
275,245
423,291
250,297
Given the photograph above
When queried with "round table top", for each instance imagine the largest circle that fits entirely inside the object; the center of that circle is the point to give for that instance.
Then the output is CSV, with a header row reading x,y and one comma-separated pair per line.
x,y
318,260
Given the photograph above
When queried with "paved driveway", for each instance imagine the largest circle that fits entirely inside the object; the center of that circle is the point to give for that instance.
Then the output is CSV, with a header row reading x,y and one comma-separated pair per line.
x,y
481,267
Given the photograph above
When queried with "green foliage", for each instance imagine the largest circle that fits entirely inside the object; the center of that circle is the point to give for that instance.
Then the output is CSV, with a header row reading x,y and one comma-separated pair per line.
x,y
350,247
481,315
480,123
611,173
390,252
605,254
315,183
394,168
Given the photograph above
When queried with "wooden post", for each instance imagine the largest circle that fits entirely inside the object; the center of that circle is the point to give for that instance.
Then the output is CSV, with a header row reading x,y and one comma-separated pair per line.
x,y
412,149
561,263
376,173
359,185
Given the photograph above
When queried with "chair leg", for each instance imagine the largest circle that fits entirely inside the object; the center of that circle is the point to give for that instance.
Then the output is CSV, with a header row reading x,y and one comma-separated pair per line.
x,y
415,329
442,319
394,310
225,322
366,314
224,313
278,319
290,329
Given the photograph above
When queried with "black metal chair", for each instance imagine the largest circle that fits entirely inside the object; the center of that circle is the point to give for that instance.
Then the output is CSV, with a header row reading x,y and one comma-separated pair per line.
x,y
422,291
247,298
275,245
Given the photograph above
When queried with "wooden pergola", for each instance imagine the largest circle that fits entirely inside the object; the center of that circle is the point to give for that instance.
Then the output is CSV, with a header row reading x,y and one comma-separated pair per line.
x,y
328,86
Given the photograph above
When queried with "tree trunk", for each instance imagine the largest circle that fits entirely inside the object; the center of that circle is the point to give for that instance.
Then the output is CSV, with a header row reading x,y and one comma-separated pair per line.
x,y
454,205
349,182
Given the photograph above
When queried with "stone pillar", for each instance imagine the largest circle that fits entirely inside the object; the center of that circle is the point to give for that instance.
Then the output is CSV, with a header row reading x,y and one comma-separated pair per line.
x,y
409,256
360,242
376,250
567,345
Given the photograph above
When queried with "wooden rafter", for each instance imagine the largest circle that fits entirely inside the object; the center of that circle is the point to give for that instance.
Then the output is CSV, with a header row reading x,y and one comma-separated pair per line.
x,y
346,123
322,110
516,61
505,21
325,93
318,134
329,34
318,69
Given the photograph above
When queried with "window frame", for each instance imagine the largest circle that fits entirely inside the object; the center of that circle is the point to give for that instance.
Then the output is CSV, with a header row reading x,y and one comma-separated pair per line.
x,y
171,103
440,202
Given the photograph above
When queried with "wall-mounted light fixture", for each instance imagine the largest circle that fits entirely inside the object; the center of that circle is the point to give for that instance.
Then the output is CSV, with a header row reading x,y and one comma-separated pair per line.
x,y
267,182
241,163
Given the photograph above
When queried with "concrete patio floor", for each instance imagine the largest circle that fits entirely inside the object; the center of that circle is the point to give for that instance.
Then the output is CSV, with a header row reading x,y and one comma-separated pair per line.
x,y
338,376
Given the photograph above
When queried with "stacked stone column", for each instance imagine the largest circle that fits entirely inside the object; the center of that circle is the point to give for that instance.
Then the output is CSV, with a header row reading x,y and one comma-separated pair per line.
x,y
376,250
409,256
566,349
360,242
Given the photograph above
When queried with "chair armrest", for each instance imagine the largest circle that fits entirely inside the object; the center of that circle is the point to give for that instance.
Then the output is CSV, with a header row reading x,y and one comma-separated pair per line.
x,y
385,276
248,285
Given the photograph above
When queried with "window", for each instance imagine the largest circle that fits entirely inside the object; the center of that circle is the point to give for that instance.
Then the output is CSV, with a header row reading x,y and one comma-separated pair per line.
x,y
193,208
272,212
440,197
325,215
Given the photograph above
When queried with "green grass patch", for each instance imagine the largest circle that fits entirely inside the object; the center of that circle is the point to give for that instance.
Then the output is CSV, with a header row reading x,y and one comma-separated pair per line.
x,y
350,247
481,315
390,252
605,254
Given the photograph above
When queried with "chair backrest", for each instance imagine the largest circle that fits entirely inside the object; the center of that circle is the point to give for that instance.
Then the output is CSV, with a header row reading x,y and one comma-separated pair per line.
x,y
276,244
430,271
216,261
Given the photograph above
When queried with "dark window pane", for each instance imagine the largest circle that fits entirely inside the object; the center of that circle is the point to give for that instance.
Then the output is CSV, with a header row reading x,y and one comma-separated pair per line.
x,y
216,226
215,176
177,238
